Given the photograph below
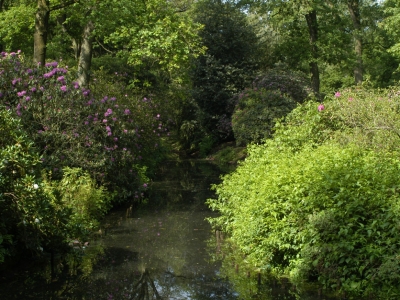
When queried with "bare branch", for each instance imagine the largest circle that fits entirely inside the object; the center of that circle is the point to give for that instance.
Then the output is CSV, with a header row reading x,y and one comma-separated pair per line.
x,y
102,46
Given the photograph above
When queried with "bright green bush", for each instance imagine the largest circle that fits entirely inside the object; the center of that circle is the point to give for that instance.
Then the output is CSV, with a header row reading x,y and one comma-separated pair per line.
x,y
329,214
87,201
320,201
256,112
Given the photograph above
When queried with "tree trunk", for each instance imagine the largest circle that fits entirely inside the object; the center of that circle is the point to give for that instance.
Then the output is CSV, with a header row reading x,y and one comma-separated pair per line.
x,y
85,58
1,9
76,43
41,28
76,47
312,24
354,9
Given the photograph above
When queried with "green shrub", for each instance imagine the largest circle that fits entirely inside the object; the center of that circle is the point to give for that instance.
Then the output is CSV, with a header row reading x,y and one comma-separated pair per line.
x,y
273,95
320,201
87,201
329,213
291,83
28,217
256,112
230,155
205,145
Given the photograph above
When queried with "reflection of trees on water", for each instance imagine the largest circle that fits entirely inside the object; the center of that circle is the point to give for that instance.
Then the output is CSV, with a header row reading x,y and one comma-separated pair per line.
x,y
145,288
248,282
159,254
183,183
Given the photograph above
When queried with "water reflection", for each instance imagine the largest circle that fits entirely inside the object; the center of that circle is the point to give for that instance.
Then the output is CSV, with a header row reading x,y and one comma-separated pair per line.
x,y
165,250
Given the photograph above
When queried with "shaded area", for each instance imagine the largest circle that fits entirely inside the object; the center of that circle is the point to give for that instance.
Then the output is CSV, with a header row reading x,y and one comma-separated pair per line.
x,y
163,249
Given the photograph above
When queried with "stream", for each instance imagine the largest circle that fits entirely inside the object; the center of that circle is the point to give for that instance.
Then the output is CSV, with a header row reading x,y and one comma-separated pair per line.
x,y
163,249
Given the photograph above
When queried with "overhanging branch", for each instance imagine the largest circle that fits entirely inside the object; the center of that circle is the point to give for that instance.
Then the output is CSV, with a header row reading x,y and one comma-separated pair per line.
x,y
64,4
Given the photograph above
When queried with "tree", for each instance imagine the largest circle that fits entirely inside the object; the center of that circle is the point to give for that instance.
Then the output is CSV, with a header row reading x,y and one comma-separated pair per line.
x,y
354,9
227,66
16,25
42,17
285,14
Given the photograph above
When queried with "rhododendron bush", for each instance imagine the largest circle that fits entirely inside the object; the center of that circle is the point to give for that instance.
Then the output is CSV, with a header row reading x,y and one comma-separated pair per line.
x,y
112,137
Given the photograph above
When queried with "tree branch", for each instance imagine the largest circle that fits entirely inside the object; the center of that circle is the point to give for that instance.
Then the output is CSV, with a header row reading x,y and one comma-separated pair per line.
x,y
63,5
102,46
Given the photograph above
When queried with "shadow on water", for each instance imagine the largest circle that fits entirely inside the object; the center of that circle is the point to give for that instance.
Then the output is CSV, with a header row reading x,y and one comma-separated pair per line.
x,y
160,250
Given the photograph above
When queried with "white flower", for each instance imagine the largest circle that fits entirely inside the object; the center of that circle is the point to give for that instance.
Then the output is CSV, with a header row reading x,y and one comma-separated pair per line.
x,y
35,186
37,221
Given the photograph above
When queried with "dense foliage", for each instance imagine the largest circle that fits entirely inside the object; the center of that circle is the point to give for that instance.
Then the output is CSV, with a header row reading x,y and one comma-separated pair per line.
x,y
68,152
273,96
226,67
316,202
29,218
319,201
73,126
256,112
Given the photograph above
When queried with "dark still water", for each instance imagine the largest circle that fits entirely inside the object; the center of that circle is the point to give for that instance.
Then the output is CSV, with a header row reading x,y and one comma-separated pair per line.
x,y
161,250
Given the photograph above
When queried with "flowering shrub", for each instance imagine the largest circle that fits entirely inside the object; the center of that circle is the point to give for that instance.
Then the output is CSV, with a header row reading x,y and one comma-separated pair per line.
x,y
110,137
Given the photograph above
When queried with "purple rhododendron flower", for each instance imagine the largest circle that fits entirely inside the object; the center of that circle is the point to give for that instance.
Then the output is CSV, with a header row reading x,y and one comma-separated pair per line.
x,y
22,93
51,64
108,112
127,112
63,88
14,82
